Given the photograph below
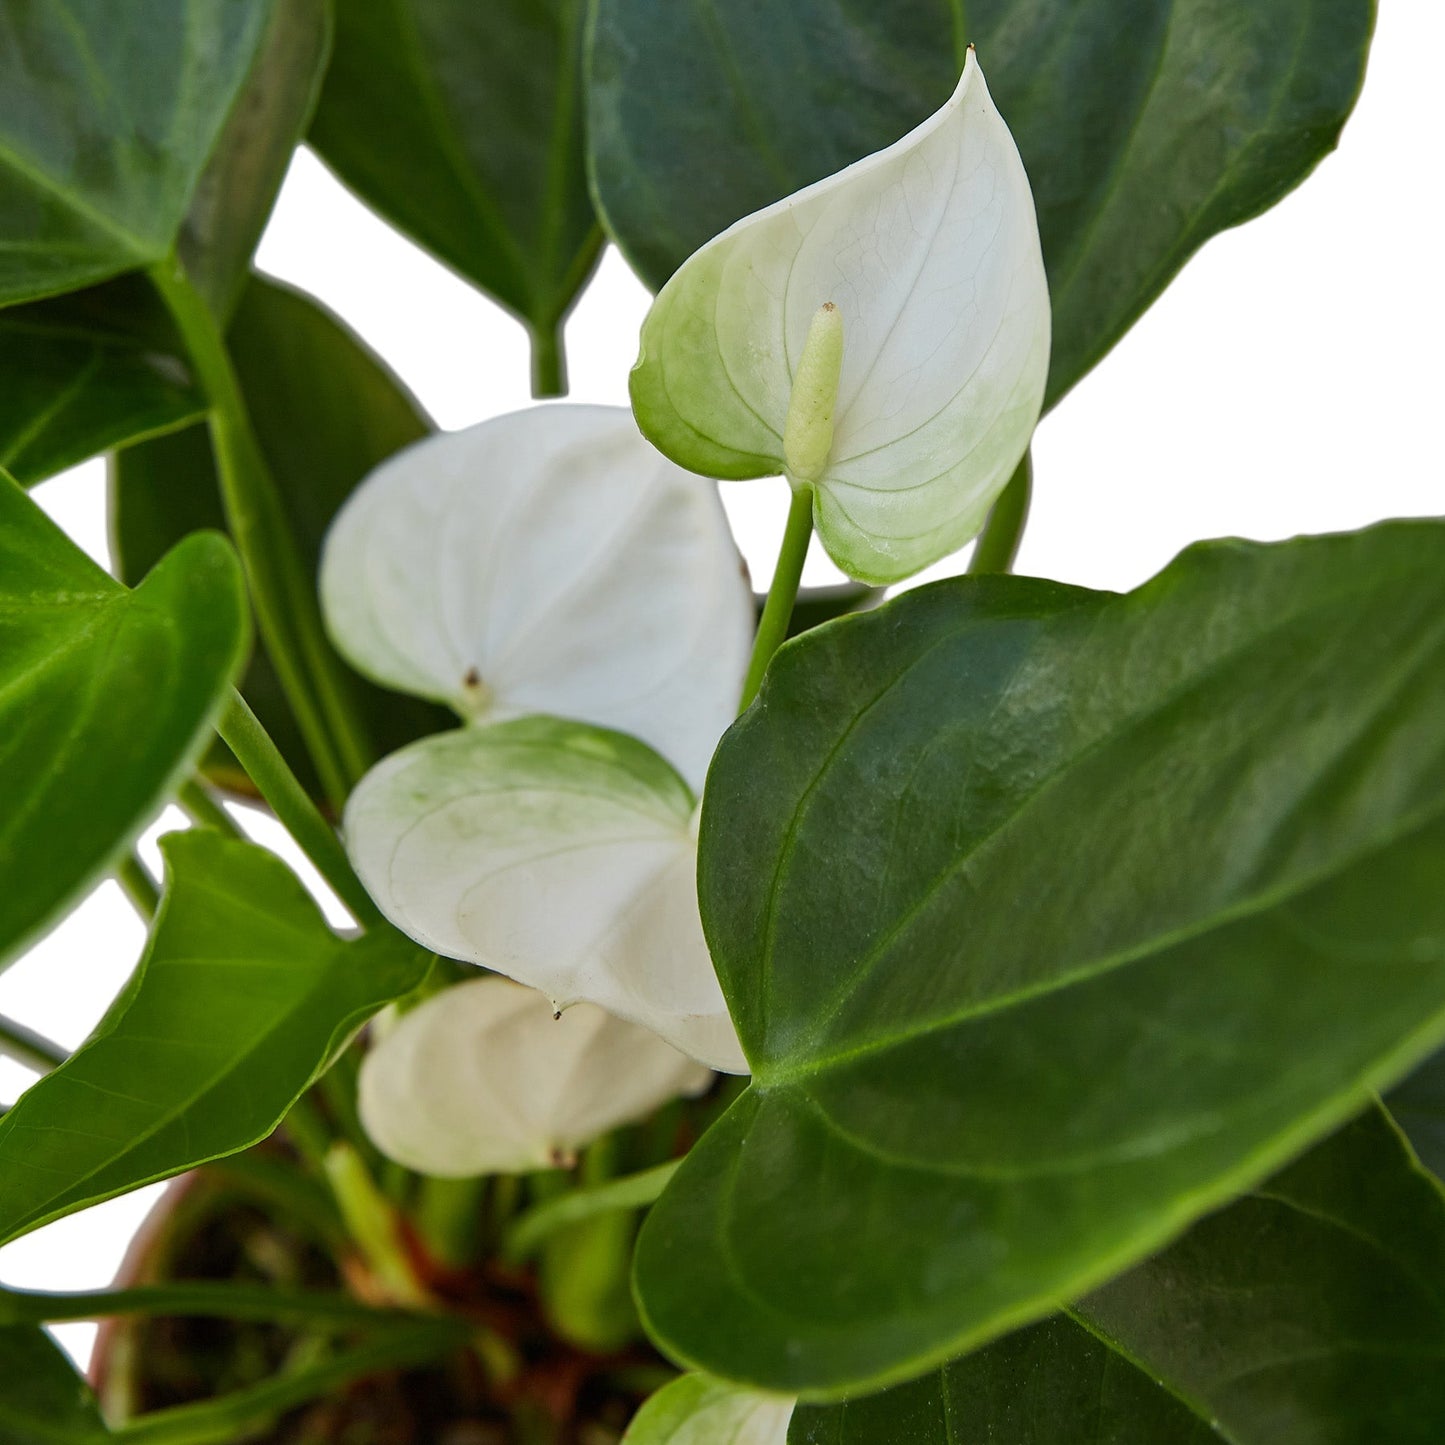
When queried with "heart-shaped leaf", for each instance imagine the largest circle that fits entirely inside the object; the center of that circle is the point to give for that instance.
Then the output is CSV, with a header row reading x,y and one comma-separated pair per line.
x,y
477,152
1146,125
109,117
1049,920
694,1410
326,411
928,255
558,854
547,562
106,698
43,1401
1312,1311
80,374
242,999
483,1078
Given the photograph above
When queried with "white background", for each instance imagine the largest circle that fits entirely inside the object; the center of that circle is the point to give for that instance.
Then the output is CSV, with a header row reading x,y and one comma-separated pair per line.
x,y
1289,381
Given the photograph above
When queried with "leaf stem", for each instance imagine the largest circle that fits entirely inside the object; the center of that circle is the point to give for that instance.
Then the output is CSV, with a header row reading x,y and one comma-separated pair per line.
x,y
778,610
549,360
138,885
282,593
27,1047
632,1191
241,731
998,543
204,811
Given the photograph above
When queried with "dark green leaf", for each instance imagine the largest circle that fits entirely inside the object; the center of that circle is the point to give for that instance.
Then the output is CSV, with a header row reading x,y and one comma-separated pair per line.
x,y
1418,1106
243,997
1146,125
462,124
1312,1312
817,605
82,373
109,115
106,699
327,411
42,1399
1049,920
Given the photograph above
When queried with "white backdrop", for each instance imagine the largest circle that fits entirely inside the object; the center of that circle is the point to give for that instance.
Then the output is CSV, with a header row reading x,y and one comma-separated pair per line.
x,y
1289,381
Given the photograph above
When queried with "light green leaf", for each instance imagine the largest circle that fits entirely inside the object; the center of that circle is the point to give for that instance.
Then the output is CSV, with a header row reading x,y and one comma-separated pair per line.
x,y
109,115
1050,920
80,374
483,1078
477,152
929,252
1311,1312
43,1401
1147,126
547,562
694,1410
106,699
242,999
326,411
558,854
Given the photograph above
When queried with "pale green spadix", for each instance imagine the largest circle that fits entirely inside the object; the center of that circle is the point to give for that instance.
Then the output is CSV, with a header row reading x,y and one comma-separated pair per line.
x,y
698,1410
929,251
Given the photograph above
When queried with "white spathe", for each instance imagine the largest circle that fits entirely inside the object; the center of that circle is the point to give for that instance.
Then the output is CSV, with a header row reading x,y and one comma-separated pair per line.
x,y
930,252
559,854
483,1079
698,1410
548,561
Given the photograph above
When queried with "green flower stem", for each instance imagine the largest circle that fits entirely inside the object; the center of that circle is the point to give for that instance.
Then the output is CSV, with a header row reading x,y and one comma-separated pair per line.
x,y
242,732
998,543
212,1301
632,1191
204,811
138,885
778,610
449,1215
27,1047
373,1224
282,592
549,361
237,1416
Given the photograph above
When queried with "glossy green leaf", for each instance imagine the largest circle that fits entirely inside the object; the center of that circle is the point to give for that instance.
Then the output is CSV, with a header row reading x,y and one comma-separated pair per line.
x,y
1049,920
1312,1312
817,605
109,116
327,411
1418,1107
694,1410
82,373
106,698
477,149
43,1401
243,997
1146,125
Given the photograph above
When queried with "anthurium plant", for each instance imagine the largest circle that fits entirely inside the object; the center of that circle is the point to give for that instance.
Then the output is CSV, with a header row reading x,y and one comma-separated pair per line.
x,y
994,1011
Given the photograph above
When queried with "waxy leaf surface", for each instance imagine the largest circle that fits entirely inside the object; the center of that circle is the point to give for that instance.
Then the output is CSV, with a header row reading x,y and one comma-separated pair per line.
x,y
482,1078
326,411
930,253
1049,920
243,997
1311,1312
1146,126
109,116
558,854
547,562
1418,1106
462,124
694,1410
43,1401
107,697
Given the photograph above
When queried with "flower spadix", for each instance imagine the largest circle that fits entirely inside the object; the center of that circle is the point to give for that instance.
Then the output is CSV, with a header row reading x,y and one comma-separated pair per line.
x,y
559,854
546,562
881,336
483,1078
